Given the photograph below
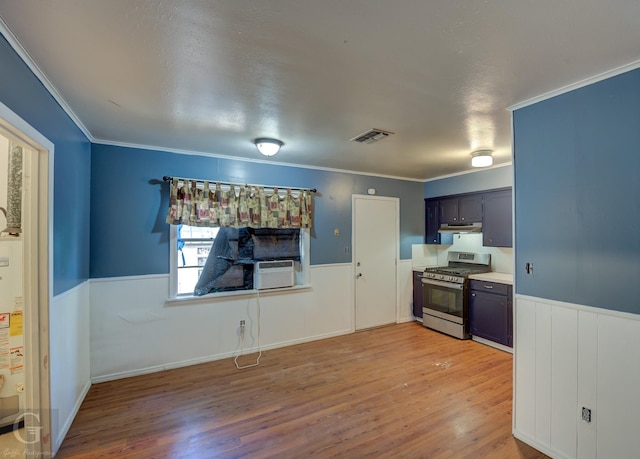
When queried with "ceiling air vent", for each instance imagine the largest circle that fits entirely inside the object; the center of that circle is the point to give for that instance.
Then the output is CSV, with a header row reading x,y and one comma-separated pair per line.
x,y
372,135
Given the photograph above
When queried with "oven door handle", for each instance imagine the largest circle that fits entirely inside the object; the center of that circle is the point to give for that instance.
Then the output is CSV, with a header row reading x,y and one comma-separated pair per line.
x,y
450,285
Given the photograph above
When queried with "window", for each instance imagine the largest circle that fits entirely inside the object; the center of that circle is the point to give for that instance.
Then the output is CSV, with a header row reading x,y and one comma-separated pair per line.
x,y
193,244
214,260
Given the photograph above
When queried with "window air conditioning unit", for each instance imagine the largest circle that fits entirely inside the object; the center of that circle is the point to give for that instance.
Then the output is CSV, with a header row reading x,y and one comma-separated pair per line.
x,y
273,274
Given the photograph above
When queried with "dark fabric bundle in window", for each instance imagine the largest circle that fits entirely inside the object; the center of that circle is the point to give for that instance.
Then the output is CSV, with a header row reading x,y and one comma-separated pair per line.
x,y
276,244
229,265
222,270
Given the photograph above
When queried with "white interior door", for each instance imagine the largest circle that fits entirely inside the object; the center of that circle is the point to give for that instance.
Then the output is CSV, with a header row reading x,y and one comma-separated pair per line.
x,y
375,254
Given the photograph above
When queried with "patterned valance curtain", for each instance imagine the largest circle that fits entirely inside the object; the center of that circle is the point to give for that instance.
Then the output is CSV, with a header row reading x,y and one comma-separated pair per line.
x,y
239,206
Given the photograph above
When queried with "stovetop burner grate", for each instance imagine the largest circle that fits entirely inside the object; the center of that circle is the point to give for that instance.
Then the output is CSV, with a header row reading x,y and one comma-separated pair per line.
x,y
463,264
457,271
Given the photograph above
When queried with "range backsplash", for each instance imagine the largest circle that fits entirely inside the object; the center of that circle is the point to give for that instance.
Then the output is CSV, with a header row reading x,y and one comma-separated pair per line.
x,y
436,255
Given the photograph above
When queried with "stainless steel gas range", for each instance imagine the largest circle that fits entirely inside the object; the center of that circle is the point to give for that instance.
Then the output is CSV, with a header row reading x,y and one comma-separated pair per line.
x,y
445,291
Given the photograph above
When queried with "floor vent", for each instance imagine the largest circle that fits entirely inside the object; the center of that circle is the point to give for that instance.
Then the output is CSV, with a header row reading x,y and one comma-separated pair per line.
x,y
372,135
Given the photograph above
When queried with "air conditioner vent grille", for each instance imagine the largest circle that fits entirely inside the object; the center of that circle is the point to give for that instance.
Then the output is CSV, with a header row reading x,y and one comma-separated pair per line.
x,y
370,136
273,274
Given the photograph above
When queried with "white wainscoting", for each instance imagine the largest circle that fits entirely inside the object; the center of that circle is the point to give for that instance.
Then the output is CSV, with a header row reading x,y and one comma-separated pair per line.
x,y
568,357
135,331
69,351
405,288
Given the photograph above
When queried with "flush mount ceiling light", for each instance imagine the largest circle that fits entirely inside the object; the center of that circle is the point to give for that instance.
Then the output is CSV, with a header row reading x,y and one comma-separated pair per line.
x,y
481,158
268,147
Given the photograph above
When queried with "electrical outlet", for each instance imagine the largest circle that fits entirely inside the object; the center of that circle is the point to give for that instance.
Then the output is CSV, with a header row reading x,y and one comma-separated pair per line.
x,y
528,267
586,414
242,326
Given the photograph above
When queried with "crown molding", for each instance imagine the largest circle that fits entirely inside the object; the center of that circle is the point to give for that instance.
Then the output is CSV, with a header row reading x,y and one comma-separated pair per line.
x,y
40,75
471,171
251,160
577,85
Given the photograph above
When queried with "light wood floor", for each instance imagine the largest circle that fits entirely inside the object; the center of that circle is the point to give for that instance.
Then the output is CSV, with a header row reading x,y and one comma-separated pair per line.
x,y
397,391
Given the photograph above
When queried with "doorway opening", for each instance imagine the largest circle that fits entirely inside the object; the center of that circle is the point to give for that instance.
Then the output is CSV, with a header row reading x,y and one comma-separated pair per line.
x,y
25,269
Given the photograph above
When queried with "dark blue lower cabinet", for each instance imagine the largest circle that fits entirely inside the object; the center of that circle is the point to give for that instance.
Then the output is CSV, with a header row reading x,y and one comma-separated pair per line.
x,y
417,294
491,311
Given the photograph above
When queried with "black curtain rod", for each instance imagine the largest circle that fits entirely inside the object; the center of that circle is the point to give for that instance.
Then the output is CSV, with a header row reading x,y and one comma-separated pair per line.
x,y
166,178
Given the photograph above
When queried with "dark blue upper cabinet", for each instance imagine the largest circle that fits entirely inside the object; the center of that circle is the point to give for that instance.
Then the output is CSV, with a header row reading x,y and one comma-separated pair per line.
x,y
432,221
449,210
497,219
432,224
492,208
461,209
470,208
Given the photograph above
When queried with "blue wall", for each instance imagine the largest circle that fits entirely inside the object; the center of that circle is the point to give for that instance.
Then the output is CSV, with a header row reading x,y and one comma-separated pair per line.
x,y
129,202
23,93
577,206
498,177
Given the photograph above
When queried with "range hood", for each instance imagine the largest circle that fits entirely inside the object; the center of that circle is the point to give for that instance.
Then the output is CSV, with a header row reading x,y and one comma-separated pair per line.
x,y
449,228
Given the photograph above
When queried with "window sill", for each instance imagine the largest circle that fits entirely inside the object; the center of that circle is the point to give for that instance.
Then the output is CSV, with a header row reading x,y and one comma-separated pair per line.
x,y
219,296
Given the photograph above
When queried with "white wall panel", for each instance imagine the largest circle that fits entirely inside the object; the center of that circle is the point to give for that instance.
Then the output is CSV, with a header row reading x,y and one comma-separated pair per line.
x,y
543,373
405,289
578,356
525,368
135,331
564,380
587,382
331,287
69,351
618,410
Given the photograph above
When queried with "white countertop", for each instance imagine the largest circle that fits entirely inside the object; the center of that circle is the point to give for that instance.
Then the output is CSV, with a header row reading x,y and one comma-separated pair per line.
x,y
502,278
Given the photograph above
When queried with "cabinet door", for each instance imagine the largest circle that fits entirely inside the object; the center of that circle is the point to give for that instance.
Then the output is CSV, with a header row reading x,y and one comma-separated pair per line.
x,y
432,224
497,218
417,294
489,316
510,318
432,221
449,210
470,208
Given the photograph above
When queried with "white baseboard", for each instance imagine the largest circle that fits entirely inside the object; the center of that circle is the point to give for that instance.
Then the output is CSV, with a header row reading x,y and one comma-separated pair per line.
x,y
540,447
487,342
211,358
403,320
64,429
